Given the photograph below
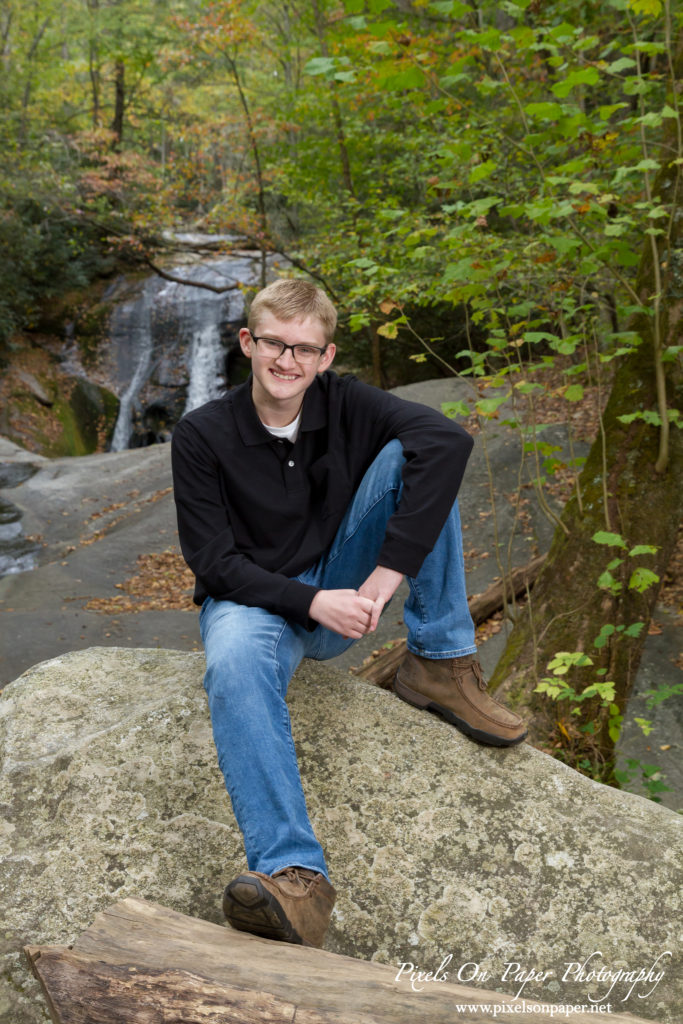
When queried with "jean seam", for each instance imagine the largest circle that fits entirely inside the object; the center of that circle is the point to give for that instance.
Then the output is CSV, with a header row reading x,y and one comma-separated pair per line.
x,y
462,652
415,587
286,719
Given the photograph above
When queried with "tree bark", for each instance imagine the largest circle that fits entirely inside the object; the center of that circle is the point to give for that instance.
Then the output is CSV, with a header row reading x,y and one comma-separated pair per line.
x,y
253,142
94,62
623,492
334,103
140,963
119,102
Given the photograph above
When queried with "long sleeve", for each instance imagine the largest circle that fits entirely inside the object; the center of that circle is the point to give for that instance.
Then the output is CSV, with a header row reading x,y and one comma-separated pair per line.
x,y
436,451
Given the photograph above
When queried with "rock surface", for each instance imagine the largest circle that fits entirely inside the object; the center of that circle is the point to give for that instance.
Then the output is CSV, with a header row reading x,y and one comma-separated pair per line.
x,y
97,513
438,847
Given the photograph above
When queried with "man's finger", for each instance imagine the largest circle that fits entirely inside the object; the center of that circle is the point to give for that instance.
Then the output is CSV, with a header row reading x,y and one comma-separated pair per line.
x,y
377,607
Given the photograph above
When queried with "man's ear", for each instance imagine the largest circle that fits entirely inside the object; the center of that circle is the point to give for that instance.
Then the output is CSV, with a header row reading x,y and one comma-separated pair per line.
x,y
327,357
245,341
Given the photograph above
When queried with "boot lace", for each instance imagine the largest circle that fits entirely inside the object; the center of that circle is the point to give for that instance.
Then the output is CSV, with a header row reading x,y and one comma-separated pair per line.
x,y
474,667
302,877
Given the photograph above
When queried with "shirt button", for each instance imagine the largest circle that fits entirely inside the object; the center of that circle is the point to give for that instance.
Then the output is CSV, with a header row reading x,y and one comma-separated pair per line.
x,y
290,463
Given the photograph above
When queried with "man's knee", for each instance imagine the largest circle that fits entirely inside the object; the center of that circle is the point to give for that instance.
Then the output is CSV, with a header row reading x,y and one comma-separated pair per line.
x,y
388,464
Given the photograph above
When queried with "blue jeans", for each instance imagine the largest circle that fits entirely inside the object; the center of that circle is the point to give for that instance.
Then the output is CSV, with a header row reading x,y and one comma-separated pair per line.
x,y
251,655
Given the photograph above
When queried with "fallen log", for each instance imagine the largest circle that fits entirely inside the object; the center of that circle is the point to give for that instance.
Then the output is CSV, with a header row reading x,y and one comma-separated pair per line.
x,y
140,963
380,670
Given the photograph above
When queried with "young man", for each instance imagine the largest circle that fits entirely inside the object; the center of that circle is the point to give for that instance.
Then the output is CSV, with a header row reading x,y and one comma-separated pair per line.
x,y
303,499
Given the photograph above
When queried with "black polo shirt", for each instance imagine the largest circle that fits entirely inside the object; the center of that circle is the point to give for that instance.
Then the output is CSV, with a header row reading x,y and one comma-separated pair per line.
x,y
255,511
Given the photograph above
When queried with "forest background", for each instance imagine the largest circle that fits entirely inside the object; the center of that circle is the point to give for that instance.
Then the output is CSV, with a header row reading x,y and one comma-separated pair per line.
x,y
492,190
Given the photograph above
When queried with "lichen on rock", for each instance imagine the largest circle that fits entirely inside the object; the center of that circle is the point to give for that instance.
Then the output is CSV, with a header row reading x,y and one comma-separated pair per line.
x,y
438,847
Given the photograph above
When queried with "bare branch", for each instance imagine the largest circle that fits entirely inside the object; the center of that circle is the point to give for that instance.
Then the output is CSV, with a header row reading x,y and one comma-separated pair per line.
x,y
217,288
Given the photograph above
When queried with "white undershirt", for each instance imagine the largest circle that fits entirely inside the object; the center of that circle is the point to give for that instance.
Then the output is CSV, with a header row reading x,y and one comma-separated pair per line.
x,y
289,432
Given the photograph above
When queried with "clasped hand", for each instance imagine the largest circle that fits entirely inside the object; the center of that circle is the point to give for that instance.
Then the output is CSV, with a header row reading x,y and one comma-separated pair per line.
x,y
354,613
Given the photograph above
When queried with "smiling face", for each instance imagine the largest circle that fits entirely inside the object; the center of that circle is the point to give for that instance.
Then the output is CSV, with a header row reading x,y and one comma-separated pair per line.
x,y
280,383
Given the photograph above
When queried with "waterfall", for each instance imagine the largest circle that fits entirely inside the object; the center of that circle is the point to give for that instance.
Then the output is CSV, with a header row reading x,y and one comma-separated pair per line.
x,y
171,336
133,320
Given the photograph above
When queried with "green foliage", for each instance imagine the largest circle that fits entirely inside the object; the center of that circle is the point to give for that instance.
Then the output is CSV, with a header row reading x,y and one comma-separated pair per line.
x,y
650,778
46,252
655,697
496,165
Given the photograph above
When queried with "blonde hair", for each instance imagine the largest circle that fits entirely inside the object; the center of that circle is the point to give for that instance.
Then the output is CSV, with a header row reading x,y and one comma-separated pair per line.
x,y
293,298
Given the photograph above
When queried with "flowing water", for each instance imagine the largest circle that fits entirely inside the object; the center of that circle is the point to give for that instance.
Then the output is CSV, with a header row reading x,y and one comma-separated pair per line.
x,y
169,327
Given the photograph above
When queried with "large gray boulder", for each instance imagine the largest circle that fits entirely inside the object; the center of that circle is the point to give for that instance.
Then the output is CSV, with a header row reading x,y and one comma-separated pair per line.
x,y
439,848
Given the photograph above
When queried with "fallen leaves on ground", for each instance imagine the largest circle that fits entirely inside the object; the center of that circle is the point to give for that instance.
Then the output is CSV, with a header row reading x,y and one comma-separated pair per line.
x,y
163,582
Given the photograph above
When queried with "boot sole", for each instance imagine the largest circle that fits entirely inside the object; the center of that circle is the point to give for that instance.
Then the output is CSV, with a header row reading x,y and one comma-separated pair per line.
x,y
418,700
250,907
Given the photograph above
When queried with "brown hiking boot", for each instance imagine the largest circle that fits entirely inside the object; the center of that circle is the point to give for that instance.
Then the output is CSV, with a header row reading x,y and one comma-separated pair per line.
x,y
293,905
455,688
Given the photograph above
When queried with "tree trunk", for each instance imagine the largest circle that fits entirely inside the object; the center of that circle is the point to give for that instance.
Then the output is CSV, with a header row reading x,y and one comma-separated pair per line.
x,y
119,102
334,103
140,963
253,142
624,493
94,62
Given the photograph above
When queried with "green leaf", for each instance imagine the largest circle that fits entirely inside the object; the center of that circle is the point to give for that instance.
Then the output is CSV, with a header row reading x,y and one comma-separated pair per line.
x,y
411,78
320,66
532,337
621,65
481,171
655,697
642,579
613,540
584,76
488,406
450,8
643,549
648,415
546,111
460,271
453,409
607,111
547,686
606,581
648,8
574,393
635,629
603,636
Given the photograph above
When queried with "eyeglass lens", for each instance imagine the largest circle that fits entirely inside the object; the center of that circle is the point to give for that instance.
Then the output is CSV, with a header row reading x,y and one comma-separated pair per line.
x,y
302,353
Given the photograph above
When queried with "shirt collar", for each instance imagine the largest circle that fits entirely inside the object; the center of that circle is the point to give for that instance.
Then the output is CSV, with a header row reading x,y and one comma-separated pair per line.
x,y
249,426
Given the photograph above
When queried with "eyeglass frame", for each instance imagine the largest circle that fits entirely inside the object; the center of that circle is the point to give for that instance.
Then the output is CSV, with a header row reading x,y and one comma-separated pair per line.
x,y
285,346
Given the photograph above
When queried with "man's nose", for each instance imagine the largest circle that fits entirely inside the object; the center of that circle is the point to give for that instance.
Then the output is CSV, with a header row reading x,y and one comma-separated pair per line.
x,y
286,358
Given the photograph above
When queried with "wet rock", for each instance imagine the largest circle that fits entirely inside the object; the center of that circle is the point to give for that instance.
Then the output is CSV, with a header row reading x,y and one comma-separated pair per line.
x,y
95,410
35,388
438,847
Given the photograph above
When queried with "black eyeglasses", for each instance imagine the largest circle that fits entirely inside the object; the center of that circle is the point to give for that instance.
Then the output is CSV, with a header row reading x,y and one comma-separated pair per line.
x,y
274,349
